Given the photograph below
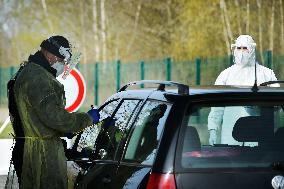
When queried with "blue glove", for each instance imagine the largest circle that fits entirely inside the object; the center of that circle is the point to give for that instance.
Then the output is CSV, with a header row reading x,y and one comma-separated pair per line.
x,y
94,113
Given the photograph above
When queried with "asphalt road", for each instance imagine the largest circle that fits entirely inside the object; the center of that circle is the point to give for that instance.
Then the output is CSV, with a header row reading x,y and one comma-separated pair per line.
x,y
6,152
2,181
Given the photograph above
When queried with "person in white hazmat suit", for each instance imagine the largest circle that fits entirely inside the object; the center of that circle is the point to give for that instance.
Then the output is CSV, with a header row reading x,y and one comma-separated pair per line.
x,y
241,73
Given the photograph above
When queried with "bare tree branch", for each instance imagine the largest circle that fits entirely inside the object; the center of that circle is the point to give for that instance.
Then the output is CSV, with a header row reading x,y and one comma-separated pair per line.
x,y
238,17
103,31
272,25
281,26
83,35
225,28
137,15
248,15
95,31
227,20
260,30
50,25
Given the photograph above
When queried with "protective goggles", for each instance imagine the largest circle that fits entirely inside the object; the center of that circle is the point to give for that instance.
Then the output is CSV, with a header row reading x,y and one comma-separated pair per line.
x,y
249,46
242,48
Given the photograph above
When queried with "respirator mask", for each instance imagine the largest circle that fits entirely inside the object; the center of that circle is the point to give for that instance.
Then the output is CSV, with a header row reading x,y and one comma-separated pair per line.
x,y
59,66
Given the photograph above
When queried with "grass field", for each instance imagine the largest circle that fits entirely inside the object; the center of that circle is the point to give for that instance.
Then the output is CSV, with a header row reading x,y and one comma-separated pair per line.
x,y
7,132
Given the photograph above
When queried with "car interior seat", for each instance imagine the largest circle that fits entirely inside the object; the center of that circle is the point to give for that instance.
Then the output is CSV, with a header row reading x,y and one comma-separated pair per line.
x,y
191,140
279,139
252,129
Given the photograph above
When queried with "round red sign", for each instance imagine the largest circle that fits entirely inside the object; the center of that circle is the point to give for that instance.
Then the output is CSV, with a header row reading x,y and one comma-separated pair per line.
x,y
75,90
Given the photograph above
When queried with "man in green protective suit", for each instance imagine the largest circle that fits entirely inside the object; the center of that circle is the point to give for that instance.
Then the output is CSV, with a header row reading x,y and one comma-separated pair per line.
x,y
40,100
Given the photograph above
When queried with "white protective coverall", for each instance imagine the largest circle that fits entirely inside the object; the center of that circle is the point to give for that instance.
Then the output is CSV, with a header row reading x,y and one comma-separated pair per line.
x,y
241,73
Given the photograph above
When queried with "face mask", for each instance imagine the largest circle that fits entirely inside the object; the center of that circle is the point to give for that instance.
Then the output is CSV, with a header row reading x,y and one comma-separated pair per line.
x,y
242,58
59,68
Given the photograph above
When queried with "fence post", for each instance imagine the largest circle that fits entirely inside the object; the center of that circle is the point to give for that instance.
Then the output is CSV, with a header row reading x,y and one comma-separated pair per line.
x,y
96,83
269,59
168,69
117,75
198,70
12,70
231,60
142,72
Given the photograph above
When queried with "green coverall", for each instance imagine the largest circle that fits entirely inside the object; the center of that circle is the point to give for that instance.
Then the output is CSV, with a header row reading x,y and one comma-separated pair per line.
x,y
41,103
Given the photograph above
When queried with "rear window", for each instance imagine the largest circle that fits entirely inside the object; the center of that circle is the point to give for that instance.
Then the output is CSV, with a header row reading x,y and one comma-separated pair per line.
x,y
243,136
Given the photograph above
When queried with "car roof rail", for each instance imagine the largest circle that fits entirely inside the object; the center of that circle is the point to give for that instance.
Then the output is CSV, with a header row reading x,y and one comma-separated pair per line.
x,y
271,82
182,88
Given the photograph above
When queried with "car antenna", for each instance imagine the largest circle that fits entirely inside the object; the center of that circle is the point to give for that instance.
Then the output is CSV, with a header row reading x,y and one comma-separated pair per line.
x,y
255,88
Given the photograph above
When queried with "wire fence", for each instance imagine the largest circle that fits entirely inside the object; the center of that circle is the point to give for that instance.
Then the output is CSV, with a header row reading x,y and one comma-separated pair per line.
x,y
104,79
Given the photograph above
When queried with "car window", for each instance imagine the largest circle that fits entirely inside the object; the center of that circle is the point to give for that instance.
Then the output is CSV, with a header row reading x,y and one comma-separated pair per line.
x,y
88,137
147,132
113,130
107,110
248,135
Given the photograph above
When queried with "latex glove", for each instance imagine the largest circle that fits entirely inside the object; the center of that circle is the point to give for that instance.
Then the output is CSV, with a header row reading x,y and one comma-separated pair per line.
x,y
212,136
94,113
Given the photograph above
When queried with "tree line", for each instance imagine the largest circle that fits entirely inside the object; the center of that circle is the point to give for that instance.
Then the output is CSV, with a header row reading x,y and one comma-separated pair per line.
x,y
131,30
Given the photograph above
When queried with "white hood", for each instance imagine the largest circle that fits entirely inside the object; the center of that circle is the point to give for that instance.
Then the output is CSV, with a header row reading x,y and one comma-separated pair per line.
x,y
244,57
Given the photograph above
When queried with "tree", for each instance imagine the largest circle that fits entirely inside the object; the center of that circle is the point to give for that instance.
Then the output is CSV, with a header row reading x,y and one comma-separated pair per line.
x,y
260,29
132,30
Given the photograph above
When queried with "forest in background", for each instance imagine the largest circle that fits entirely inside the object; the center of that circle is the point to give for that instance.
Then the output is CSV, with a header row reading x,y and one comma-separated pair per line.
x,y
132,30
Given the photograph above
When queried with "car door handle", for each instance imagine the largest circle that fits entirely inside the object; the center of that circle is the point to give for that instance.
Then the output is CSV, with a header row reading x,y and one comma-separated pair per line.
x,y
106,180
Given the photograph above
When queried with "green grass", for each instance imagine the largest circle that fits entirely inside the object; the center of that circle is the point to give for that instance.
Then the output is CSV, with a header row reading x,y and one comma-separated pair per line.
x,y
7,133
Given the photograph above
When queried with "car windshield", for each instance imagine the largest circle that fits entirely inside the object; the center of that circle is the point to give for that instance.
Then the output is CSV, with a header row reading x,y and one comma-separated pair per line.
x,y
243,136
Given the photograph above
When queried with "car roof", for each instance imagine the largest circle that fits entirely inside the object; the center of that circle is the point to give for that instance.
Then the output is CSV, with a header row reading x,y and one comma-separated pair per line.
x,y
232,89
194,91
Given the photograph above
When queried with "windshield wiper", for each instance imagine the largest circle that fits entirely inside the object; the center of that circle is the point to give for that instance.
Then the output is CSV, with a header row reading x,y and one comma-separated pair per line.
x,y
278,165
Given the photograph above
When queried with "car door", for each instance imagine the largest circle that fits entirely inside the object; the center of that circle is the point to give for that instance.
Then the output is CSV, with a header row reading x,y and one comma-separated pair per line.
x,y
142,146
78,156
84,143
248,152
107,151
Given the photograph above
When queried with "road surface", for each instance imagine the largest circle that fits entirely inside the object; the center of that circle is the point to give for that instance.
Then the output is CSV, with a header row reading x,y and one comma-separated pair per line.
x,y
5,156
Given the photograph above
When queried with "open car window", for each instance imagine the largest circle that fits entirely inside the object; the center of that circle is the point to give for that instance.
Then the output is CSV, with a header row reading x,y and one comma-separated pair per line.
x,y
88,137
114,130
147,131
246,136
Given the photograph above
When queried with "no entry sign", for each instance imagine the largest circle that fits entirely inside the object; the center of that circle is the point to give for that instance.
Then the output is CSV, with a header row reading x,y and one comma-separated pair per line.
x,y
75,90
